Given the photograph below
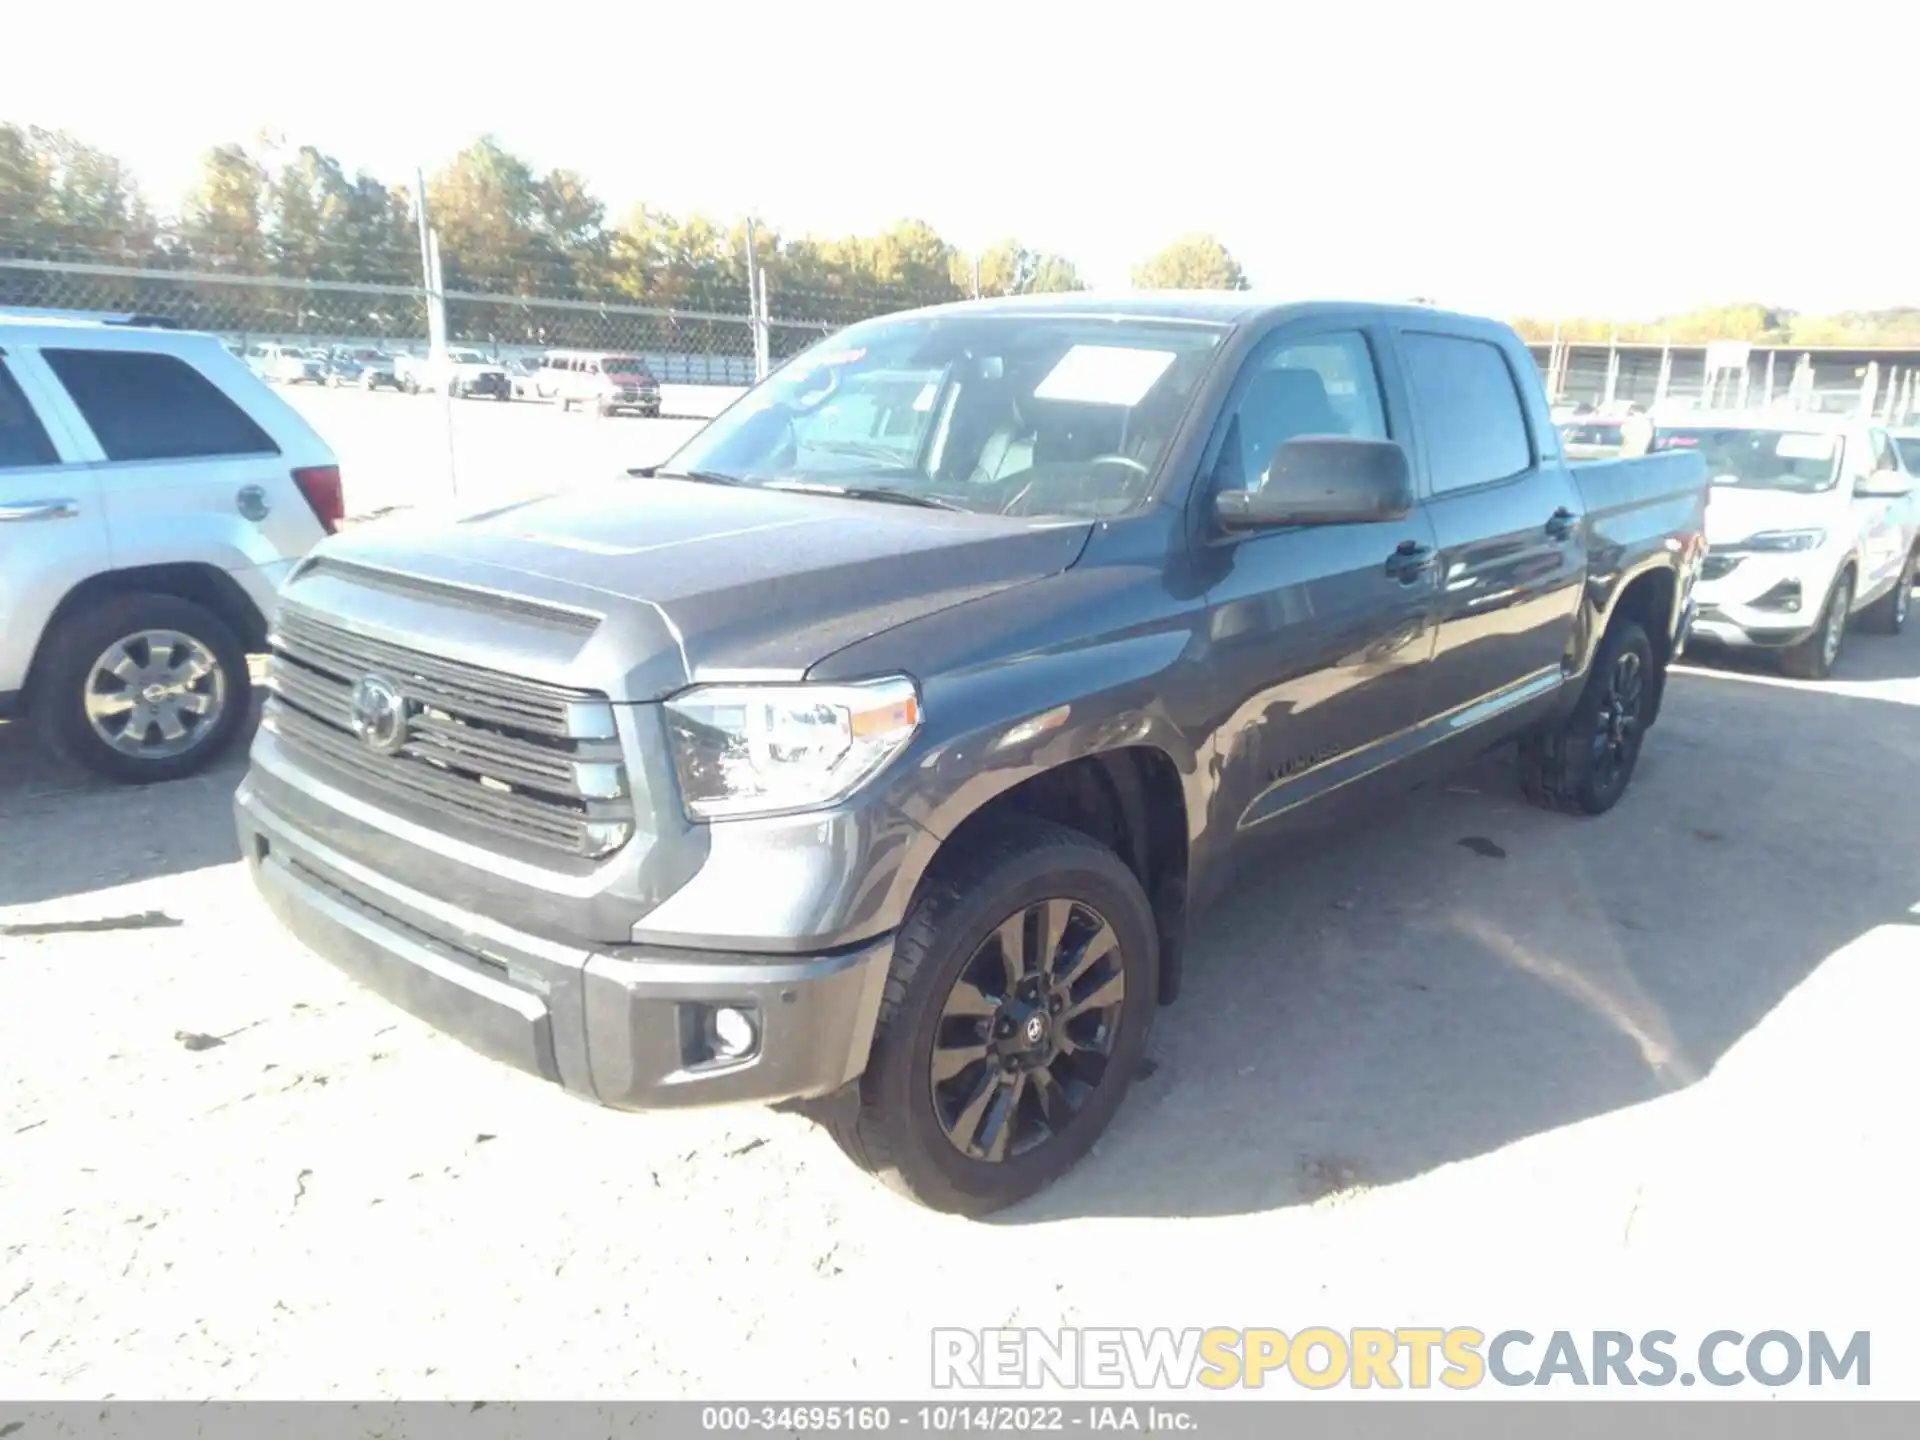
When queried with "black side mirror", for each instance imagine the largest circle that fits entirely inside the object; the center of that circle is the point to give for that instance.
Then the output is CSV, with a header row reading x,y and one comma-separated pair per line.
x,y
1323,480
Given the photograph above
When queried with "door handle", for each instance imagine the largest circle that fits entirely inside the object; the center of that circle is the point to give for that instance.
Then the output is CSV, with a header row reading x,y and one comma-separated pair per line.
x,y
1410,561
39,510
1560,524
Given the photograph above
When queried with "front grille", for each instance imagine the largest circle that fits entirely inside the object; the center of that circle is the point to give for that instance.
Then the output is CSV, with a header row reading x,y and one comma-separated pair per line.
x,y
1718,566
517,759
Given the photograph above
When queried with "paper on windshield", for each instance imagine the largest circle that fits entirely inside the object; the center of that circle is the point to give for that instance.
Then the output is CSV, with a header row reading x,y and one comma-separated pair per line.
x,y
1104,375
1801,446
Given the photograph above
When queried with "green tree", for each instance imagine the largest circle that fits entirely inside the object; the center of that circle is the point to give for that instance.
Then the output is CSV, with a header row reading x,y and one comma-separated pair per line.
x,y
308,207
224,224
89,205
26,185
1053,274
486,207
1193,262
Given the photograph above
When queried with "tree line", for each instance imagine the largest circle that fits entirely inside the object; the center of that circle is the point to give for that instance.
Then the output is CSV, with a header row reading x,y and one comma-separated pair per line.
x,y
504,227
270,208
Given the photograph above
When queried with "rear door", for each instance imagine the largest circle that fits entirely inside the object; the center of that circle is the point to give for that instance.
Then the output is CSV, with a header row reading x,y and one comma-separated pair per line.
x,y
53,534
1319,633
185,472
1510,556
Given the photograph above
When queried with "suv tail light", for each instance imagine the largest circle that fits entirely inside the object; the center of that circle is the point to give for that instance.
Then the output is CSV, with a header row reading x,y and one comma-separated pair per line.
x,y
321,485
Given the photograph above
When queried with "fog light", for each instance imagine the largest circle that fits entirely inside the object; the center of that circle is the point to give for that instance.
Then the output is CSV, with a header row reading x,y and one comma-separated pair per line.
x,y
1784,596
731,1033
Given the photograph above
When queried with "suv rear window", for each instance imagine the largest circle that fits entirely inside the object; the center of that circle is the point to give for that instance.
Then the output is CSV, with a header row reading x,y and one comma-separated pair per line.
x,y
146,406
23,441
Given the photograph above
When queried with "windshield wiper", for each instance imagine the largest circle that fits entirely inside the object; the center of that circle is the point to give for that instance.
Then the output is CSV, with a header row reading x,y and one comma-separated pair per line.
x,y
705,477
865,492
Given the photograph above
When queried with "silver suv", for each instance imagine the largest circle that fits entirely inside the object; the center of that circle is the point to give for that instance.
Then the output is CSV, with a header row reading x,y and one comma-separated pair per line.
x,y
153,495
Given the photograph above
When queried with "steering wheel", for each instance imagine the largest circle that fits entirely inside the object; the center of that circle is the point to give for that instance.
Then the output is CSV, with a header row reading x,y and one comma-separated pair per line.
x,y
1016,506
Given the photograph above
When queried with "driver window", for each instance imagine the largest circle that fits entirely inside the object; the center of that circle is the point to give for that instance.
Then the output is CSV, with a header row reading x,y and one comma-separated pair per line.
x,y
1884,455
1319,385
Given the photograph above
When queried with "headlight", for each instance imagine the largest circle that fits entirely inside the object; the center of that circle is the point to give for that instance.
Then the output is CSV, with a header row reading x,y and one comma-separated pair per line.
x,y
1778,540
758,749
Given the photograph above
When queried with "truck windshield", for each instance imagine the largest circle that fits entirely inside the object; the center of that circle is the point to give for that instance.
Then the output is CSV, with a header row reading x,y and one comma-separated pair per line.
x,y
624,365
1761,459
1045,415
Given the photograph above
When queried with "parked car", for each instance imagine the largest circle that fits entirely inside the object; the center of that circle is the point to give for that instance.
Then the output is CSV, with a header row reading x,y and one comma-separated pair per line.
x,y
287,365
458,372
603,382
1812,525
153,496
365,369
828,756
1591,439
523,378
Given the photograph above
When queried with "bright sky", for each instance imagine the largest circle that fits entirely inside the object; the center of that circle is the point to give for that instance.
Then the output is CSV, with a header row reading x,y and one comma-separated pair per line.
x,y
1545,157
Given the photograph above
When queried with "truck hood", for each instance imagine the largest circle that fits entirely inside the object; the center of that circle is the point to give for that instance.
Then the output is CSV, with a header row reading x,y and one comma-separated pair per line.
x,y
639,588
1736,512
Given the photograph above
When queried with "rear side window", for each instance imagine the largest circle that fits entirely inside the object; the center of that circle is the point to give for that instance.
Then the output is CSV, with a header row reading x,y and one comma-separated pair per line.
x,y
1476,431
23,441
146,406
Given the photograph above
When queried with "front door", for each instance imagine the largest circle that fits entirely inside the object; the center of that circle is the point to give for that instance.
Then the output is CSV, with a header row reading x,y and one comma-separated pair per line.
x,y
52,532
1319,634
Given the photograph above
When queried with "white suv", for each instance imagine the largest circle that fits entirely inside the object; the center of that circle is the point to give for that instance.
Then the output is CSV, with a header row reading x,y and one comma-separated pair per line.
x,y
1812,524
153,495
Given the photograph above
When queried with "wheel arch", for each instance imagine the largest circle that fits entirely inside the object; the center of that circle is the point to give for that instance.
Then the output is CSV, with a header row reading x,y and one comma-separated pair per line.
x,y
1129,798
205,585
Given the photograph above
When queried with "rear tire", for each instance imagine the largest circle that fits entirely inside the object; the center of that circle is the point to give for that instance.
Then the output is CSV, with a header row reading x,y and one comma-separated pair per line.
x,y
87,712
1888,614
1814,657
1583,765
1029,1072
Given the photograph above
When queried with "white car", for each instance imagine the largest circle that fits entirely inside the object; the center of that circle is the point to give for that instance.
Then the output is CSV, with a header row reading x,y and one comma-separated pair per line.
x,y
458,373
1811,526
287,365
154,494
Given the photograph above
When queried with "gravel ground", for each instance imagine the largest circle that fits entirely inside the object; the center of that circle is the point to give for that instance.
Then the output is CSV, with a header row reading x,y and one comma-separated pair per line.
x,y
423,450
1463,1064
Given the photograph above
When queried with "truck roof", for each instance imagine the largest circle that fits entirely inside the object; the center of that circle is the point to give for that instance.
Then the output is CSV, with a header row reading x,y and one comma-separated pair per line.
x,y
1214,307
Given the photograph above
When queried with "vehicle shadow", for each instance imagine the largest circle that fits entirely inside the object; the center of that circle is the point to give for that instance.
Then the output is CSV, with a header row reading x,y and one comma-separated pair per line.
x,y
64,832
1458,970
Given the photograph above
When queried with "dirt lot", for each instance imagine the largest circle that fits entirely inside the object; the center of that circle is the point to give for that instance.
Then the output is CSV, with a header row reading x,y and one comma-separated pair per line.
x,y
1469,1064
423,450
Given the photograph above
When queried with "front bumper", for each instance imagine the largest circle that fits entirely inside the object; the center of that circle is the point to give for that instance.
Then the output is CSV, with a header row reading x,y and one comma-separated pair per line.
x,y
624,1025
485,385
1762,600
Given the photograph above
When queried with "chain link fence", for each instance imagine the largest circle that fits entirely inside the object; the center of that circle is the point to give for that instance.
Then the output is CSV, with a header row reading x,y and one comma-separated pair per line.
x,y
686,345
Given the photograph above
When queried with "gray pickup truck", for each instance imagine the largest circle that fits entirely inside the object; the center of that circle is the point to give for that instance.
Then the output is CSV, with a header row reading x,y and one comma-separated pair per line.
x,y
879,747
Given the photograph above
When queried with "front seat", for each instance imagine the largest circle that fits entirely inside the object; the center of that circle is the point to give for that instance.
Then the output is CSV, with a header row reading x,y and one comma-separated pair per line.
x,y
1281,405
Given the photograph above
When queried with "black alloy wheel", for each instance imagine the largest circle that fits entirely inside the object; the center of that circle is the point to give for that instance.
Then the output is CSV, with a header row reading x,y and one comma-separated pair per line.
x,y
1026,1035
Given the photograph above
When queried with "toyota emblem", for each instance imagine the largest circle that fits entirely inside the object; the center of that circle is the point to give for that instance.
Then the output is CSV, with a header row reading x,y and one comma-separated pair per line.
x,y
378,714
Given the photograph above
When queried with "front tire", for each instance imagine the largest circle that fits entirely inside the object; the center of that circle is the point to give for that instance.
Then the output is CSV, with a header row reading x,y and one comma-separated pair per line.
x,y
1814,657
1888,614
1019,1004
1584,765
141,688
